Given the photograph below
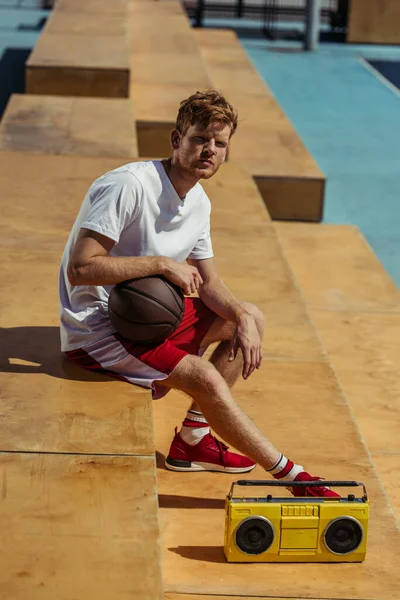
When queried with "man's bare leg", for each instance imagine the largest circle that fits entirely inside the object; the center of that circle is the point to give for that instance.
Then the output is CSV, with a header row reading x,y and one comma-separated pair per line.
x,y
211,394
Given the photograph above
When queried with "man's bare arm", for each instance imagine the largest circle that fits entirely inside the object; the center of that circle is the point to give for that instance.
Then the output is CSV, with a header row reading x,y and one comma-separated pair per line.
x,y
215,294
90,264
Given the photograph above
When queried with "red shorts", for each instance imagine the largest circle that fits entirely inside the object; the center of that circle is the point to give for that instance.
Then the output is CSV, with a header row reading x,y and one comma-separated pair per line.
x,y
145,364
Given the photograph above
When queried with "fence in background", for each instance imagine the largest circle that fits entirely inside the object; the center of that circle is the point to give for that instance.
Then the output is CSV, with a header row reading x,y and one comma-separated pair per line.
x,y
273,14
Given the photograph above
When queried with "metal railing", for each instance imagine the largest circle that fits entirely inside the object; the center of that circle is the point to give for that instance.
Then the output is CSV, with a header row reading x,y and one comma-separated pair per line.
x,y
271,13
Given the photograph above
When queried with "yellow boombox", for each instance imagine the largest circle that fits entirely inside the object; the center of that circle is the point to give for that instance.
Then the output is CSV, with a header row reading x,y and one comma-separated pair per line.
x,y
267,529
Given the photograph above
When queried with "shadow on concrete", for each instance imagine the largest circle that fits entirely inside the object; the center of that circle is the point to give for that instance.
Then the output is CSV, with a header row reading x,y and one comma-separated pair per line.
x,y
160,460
174,501
37,350
390,69
12,74
213,554
33,27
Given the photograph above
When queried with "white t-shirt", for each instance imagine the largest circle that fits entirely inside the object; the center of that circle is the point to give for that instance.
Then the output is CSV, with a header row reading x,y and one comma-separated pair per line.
x,y
136,206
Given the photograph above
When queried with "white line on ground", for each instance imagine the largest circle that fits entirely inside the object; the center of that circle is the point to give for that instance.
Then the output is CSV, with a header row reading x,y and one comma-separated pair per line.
x,y
379,76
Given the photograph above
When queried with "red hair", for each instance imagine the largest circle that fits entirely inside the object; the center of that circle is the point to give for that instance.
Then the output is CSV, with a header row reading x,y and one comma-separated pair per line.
x,y
204,108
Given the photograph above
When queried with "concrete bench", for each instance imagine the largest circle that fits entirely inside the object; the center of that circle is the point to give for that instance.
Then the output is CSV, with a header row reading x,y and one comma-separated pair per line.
x,y
165,69
355,307
69,125
79,496
266,143
373,22
345,274
81,54
79,525
94,7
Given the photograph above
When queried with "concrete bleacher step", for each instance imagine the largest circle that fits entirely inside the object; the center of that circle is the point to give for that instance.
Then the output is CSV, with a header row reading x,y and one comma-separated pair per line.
x,y
355,307
79,502
336,268
266,142
94,7
64,402
295,398
87,23
79,526
297,379
165,69
69,125
81,54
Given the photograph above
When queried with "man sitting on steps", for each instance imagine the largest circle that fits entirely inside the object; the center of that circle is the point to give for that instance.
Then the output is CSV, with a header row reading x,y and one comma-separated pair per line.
x,y
153,217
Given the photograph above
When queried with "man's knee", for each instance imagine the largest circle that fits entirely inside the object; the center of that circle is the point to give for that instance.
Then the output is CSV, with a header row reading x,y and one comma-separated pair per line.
x,y
256,314
194,375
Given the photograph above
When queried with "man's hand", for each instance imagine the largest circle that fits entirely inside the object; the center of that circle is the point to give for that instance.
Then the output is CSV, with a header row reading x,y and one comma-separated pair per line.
x,y
186,277
247,338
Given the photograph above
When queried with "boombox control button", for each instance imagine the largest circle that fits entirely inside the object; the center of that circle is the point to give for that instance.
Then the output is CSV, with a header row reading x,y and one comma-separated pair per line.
x,y
299,511
351,497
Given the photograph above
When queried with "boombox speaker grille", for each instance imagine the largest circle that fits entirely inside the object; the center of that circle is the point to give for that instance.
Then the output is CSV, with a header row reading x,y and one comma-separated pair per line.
x,y
343,535
254,535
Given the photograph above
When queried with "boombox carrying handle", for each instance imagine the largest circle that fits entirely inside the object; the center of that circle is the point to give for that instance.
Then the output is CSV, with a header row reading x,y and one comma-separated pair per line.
x,y
262,482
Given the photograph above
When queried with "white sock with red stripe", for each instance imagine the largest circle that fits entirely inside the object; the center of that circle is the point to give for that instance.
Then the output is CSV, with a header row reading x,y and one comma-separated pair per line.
x,y
194,427
285,469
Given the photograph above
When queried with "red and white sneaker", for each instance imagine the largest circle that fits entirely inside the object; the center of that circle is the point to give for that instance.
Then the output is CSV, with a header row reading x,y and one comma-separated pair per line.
x,y
318,491
209,454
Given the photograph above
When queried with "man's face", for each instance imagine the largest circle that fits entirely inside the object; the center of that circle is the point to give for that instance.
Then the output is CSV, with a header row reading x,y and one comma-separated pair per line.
x,y
200,152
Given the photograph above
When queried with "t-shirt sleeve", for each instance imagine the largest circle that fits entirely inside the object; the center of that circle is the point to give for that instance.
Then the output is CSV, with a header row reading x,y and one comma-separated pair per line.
x,y
203,248
114,203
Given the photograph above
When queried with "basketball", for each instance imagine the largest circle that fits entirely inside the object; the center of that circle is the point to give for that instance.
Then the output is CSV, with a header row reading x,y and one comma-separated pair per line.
x,y
146,310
